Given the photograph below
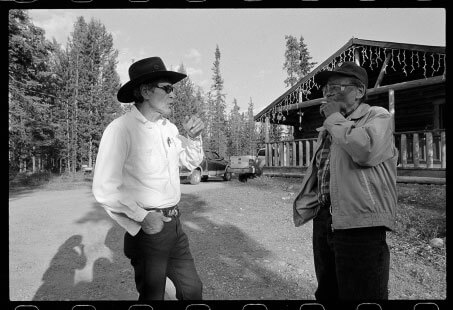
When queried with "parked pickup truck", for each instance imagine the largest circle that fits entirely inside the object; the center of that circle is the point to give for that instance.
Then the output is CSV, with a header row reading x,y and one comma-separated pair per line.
x,y
212,165
249,165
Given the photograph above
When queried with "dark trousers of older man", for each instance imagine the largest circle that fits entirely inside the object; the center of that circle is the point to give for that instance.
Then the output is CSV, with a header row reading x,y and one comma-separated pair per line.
x,y
350,264
158,256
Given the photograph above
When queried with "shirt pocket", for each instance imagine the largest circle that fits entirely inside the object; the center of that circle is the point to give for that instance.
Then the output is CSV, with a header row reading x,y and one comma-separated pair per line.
x,y
175,151
147,160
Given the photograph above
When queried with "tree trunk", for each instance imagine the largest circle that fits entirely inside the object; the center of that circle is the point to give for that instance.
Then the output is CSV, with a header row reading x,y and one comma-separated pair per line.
x,y
33,160
74,124
90,150
90,143
68,139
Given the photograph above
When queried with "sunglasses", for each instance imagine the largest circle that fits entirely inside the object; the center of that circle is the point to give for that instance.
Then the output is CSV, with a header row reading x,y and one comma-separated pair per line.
x,y
167,88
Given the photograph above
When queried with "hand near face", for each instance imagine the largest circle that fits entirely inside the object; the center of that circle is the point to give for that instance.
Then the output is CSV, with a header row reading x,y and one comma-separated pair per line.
x,y
193,126
329,107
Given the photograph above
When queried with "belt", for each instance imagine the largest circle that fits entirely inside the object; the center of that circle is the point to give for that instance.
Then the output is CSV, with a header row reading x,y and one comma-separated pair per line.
x,y
167,212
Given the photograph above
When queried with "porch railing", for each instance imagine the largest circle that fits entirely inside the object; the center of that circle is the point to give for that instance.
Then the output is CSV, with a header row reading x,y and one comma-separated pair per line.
x,y
422,149
297,153
418,149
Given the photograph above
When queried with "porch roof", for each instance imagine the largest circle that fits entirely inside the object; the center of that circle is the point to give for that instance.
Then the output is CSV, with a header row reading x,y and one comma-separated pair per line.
x,y
406,62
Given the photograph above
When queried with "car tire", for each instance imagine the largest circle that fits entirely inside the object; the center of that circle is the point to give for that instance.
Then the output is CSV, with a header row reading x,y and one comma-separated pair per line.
x,y
227,176
195,177
204,178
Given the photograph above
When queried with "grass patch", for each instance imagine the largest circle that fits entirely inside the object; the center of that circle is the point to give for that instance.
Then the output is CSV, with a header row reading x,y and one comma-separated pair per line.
x,y
421,211
49,181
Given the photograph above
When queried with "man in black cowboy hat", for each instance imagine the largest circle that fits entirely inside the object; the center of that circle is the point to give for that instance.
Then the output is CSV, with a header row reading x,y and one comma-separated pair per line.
x,y
349,190
136,180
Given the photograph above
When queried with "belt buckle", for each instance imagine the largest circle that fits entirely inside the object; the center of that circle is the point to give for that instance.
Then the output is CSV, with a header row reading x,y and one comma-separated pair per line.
x,y
172,212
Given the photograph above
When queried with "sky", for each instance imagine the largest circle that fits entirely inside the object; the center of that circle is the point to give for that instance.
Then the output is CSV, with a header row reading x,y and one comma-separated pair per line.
x,y
251,41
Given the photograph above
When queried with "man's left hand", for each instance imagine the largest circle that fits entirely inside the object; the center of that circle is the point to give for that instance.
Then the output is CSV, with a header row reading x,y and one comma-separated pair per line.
x,y
193,125
329,107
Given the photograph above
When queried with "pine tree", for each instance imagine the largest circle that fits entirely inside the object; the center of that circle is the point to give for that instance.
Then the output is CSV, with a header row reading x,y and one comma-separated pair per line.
x,y
292,58
217,111
250,125
234,130
304,59
297,60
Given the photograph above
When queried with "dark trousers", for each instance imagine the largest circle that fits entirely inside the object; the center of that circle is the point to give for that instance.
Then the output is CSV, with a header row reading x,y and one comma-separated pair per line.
x,y
165,254
350,264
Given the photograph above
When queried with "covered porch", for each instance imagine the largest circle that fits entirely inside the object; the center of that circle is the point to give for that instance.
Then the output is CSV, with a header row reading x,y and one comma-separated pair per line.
x,y
408,83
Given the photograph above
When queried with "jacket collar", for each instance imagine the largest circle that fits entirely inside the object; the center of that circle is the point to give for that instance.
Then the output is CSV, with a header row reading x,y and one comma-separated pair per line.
x,y
361,110
142,119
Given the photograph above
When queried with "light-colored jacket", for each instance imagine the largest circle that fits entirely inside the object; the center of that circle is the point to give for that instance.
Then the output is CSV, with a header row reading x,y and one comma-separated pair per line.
x,y
363,160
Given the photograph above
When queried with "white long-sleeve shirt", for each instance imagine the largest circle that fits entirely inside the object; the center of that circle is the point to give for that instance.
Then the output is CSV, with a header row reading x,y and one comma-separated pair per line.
x,y
137,167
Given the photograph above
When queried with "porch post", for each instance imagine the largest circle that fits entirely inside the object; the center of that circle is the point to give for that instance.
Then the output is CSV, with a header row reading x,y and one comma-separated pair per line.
x,y
266,129
392,107
443,146
357,57
268,152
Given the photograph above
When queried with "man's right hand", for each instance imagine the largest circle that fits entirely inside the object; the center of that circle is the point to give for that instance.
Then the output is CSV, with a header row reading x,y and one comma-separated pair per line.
x,y
153,223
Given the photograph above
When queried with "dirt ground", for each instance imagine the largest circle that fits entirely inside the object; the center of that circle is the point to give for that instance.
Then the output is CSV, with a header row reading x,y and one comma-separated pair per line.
x,y
63,246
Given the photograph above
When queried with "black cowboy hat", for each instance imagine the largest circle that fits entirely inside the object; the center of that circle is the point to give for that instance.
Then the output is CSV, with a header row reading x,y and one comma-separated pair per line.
x,y
146,70
348,68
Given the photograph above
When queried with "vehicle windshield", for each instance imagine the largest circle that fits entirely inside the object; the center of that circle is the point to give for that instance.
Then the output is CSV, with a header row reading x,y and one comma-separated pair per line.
x,y
211,155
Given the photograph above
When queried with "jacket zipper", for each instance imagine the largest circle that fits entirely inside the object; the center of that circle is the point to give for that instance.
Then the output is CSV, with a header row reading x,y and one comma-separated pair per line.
x,y
368,187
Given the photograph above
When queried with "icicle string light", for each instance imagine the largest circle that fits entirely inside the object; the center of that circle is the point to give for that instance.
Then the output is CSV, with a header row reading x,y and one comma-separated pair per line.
x,y
378,54
432,66
371,54
364,56
438,63
412,61
424,64
404,63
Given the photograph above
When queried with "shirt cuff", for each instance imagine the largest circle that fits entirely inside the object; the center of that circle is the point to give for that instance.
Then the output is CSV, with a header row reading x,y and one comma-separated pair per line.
x,y
141,214
136,213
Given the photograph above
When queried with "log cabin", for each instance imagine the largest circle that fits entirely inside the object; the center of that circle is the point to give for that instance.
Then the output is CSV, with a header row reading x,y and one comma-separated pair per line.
x,y
406,79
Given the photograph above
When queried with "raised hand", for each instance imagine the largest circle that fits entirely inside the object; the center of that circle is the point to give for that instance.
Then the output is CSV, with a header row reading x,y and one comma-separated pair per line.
x,y
193,126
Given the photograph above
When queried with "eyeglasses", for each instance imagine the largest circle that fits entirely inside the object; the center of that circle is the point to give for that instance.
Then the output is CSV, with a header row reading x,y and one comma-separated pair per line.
x,y
167,88
335,87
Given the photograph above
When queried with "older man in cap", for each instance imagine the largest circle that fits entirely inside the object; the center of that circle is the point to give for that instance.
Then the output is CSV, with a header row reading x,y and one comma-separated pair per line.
x,y
136,180
349,190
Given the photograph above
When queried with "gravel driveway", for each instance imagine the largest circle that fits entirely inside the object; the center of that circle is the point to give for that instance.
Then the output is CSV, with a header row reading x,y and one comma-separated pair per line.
x,y
63,246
